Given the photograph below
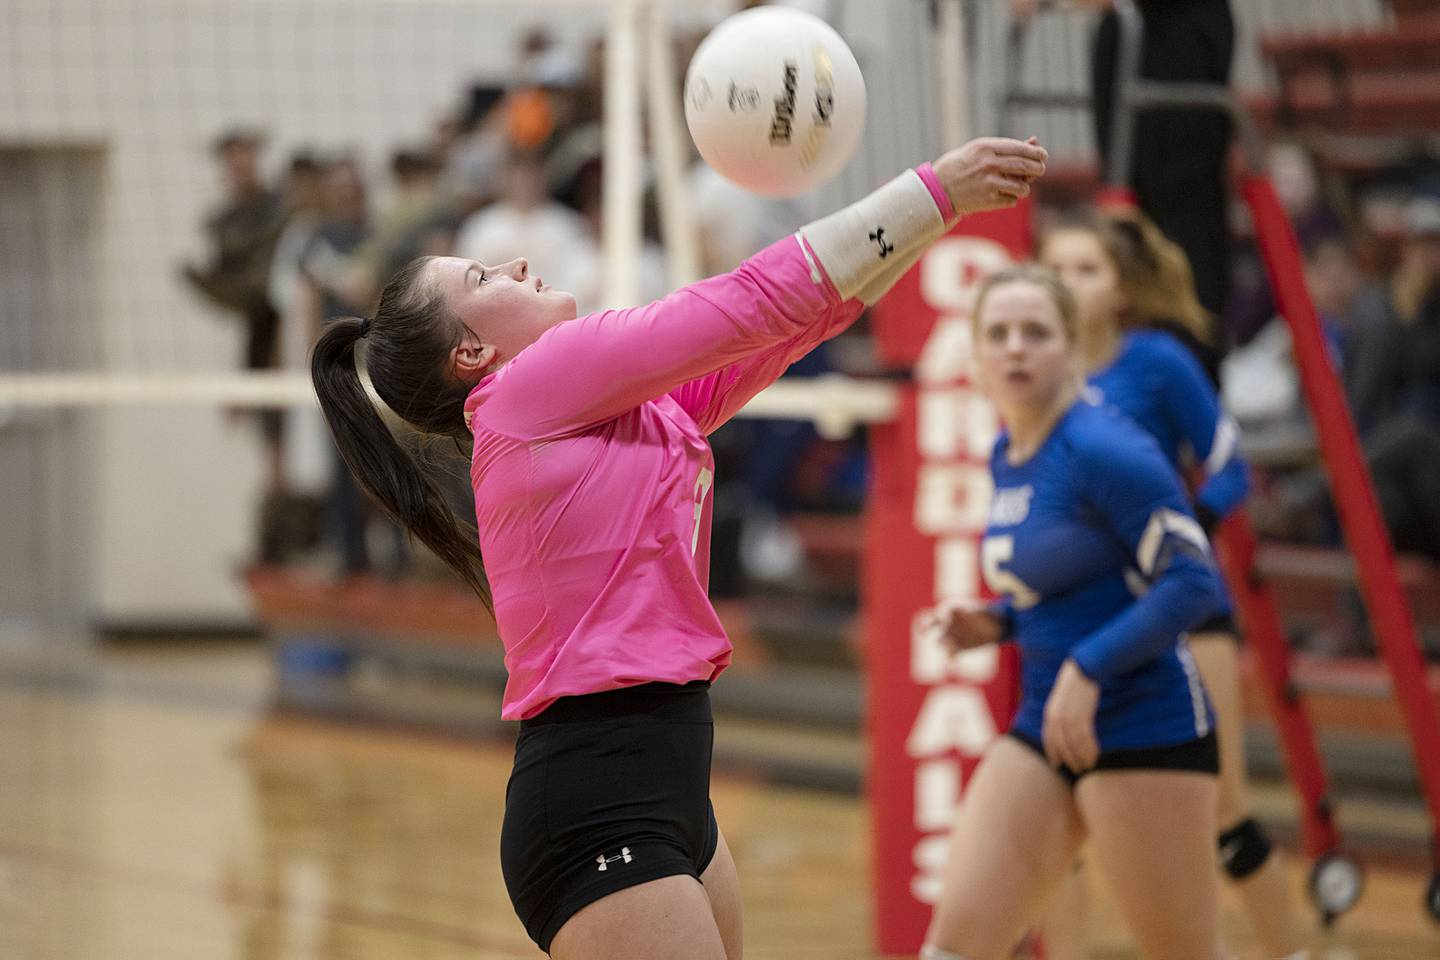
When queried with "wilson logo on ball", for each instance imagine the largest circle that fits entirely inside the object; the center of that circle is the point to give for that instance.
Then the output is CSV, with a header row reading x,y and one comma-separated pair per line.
x,y
742,98
775,101
784,120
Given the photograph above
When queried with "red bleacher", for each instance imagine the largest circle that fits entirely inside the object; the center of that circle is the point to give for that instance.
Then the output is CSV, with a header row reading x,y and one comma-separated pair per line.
x,y
1375,80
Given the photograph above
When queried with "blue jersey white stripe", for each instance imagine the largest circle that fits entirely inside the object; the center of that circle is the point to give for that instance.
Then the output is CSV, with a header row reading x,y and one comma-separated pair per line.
x,y
1165,522
1197,689
1094,510
1224,448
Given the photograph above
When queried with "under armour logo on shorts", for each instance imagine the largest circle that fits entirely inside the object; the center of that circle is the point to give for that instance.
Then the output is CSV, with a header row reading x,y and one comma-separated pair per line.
x,y
605,861
879,237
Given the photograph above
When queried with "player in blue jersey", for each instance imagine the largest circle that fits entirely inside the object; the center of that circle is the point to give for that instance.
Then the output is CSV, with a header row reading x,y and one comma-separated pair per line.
x,y
1143,336
1101,567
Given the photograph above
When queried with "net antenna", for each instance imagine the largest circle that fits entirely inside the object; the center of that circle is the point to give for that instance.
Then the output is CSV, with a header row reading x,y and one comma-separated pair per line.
x,y
952,20
640,74
622,151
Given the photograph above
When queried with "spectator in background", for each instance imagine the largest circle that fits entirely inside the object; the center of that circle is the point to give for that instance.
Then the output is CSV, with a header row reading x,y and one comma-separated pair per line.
x,y
1262,390
303,196
292,509
544,106
589,102
242,233
1393,379
1294,173
420,221
572,159
1333,275
524,219
1261,384
327,262
1316,223
475,151
339,288
1396,370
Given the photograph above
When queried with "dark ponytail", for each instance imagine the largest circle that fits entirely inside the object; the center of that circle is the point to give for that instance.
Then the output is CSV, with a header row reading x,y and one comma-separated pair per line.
x,y
408,345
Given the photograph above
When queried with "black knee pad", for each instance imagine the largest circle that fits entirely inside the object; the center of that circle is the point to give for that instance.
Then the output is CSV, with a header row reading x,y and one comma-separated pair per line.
x,y
1244,848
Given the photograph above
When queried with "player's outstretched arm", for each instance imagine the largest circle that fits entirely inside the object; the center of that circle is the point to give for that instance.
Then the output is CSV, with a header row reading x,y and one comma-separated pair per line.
x,y
866,247
591,369
899,222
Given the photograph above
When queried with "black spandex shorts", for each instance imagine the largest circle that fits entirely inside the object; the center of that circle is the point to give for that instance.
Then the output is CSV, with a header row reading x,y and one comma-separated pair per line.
x,y
1195,756
609,790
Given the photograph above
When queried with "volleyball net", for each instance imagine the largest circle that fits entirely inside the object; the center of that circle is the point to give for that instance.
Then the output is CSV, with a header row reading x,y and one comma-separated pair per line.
x,y
131,341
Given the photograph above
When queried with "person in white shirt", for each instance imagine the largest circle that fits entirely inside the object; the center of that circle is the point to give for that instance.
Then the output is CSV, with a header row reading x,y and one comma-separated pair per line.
x,y
524,220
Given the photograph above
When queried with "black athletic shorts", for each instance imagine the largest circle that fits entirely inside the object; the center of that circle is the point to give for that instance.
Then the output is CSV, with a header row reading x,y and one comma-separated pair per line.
x,y
1195,756
608,791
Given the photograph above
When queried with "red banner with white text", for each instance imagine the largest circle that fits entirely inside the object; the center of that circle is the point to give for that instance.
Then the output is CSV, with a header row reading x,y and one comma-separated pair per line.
x,y
930,715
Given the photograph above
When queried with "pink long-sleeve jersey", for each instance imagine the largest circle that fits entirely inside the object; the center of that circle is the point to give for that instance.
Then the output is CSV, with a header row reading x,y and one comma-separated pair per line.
x,y
592,474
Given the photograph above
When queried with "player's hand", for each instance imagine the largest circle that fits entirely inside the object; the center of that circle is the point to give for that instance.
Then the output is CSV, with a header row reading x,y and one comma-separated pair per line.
x,y
1069,731
990,173
964,624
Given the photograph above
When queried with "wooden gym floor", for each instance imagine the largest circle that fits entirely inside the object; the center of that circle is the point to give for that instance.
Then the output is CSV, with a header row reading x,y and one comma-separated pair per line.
x,y
150,807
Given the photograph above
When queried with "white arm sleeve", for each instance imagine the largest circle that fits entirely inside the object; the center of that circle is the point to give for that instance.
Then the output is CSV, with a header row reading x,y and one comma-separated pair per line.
x,y
863,243
897,267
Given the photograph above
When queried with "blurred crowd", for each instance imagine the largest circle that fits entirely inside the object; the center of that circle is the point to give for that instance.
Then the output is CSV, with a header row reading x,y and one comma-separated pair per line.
x,y
516,170
512,171
1371,248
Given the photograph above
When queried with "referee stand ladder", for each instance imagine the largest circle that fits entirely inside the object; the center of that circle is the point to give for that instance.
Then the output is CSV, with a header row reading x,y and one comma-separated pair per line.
x,y
1335,879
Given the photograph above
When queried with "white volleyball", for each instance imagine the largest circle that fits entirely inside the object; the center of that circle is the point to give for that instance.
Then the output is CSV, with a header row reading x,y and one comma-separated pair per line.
x,y
775,101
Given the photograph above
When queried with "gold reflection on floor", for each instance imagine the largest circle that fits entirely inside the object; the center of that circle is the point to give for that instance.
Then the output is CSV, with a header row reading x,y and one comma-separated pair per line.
x,y
151,807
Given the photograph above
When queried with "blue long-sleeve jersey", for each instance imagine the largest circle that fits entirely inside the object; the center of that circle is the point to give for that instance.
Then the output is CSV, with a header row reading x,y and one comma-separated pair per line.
x,y
1092,546
1157,382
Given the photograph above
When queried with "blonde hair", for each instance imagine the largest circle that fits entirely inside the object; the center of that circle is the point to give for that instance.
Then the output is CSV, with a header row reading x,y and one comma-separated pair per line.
x,y
1035,275
1155,274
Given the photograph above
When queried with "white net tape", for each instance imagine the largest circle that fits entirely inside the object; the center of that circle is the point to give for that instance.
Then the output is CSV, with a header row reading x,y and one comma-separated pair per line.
x,y
834,403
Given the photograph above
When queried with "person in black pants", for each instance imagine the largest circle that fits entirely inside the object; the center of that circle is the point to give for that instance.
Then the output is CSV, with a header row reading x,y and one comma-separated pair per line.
x,y
1178,165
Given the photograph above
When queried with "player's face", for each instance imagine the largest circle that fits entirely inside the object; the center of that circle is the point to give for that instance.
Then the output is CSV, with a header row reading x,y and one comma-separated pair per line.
x,y
1079,257
1023,352
503,305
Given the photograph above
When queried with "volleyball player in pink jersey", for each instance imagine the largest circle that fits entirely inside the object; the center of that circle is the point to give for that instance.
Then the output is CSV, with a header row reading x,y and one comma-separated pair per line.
x,y
592,476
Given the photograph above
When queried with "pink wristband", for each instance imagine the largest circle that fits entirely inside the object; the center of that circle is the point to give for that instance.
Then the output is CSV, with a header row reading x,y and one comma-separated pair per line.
x,y
937,192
